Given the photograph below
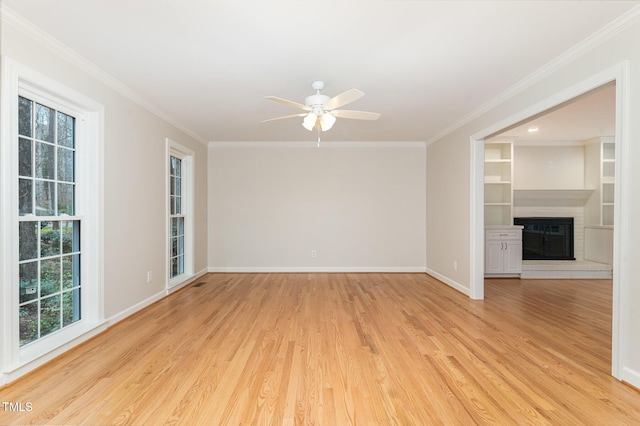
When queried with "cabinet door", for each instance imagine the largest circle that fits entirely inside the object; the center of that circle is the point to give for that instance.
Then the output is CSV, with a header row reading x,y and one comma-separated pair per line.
x,y
493,257
512,257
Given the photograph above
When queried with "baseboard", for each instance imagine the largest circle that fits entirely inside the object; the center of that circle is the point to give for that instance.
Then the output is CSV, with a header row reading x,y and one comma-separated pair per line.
x,y
135,308
9,376
451,283
30,366
631,377
150,300
188,281
312,269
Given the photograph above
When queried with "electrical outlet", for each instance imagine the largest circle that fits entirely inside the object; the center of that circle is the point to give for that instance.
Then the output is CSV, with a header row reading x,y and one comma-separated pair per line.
x,y
455,265
313,253
149,276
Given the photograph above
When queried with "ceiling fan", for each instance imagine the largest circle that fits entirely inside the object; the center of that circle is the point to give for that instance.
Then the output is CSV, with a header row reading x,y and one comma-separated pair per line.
x,y
320,110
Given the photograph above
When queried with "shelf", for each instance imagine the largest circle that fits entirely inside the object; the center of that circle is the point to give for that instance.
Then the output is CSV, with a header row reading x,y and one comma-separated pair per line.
x,y
497,214
607,214
608,151
498,171
607,194
497,152
498,174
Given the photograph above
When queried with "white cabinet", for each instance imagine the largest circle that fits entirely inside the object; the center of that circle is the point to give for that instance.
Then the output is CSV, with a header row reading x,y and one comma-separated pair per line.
x,y
503,251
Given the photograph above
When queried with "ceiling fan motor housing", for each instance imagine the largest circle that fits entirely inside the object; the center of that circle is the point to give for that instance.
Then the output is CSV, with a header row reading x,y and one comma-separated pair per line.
x,y
316,100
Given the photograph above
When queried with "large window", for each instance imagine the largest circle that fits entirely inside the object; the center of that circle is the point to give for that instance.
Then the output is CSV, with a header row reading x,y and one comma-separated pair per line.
x,y
177,218
49,230
180,175
51,192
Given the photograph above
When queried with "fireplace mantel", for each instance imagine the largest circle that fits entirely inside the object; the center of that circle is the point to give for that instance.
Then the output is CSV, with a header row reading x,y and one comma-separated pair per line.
x,y
551,197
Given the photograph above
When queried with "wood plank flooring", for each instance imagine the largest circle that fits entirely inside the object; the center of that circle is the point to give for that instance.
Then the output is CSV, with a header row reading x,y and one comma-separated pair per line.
x,y
340,349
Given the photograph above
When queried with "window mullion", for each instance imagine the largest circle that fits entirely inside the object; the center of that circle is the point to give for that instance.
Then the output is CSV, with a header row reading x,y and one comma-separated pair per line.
x,y
56,247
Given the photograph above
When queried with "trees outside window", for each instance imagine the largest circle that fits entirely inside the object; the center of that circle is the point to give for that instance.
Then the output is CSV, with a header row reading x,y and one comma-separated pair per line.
x,y
48,228
180,176
176,218
51,221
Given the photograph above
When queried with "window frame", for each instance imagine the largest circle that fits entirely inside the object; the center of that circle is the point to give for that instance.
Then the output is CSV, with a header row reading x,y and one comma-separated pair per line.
x,y
176,211
186,156
56,218
20,80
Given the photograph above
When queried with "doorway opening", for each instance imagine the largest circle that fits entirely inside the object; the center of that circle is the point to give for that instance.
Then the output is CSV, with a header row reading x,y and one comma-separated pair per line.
x,y
610,79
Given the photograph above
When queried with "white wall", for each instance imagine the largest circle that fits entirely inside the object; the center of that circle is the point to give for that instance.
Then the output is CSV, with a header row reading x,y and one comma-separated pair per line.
x,y
448,230
134,175
551,167
598,244
548,167
448,160
360,206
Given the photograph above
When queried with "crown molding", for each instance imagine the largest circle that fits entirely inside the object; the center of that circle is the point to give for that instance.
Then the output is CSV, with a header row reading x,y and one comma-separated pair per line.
x,y
9,17
603,34
322,144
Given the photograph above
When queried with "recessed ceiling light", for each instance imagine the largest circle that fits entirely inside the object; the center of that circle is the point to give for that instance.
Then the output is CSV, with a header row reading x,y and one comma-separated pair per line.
x,y
533,129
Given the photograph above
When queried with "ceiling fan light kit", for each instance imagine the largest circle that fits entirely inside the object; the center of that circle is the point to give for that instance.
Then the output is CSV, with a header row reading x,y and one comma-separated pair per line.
x,y
327,121
322,110
309,121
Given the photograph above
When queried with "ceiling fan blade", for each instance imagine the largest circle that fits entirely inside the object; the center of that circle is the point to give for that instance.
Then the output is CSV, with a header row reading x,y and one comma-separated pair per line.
x,y
284,117
343,99
288,102
356,115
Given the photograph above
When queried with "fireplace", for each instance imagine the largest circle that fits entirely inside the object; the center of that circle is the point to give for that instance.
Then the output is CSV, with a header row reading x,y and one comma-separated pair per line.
x,y
546,238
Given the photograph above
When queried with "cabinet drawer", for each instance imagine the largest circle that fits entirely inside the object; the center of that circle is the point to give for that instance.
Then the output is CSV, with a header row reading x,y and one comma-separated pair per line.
x,y
503,234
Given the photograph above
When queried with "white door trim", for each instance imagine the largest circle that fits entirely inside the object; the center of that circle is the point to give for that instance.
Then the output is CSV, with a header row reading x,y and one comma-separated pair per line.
x,y
620,318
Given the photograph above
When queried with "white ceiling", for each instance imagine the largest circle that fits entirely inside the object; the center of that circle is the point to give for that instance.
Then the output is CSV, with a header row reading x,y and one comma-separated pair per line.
x,y
423,65
585,117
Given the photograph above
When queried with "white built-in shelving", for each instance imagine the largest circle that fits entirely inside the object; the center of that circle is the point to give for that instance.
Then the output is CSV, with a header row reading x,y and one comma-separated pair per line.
x,y
608,181
593,203
498,177
600,171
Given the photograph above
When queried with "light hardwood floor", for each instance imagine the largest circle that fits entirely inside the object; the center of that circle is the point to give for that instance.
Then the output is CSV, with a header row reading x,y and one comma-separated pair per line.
x,y
339,349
